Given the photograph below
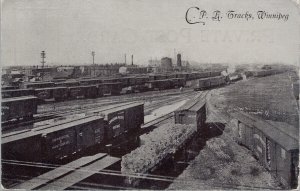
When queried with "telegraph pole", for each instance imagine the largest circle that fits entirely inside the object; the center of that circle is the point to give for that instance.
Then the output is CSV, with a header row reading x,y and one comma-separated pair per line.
x,y
93,55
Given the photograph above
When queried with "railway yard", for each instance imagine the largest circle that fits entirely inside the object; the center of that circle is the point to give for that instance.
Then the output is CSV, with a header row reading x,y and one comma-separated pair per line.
x,y
185,131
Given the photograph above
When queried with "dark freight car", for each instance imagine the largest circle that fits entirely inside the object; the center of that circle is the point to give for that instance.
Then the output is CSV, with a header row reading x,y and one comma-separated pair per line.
x,y
22,147
35,85
274,144
17,93
60,93
67,84
68,138
125,118
178,82
90,81
54,141
43,93
206,83
112,88
18,107
193,112
159,84
56,93
83,92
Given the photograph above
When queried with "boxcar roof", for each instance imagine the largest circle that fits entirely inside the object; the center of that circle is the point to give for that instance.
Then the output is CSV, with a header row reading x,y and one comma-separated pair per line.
x,y
16,90
282,133
50,88
192,105
209,78
18,98
112,110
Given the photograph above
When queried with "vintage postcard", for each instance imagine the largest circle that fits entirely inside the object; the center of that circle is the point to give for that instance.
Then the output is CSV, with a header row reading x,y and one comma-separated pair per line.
x,y
150,94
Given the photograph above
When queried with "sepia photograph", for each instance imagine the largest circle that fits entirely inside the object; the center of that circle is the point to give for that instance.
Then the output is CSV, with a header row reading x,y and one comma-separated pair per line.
x,y
150,94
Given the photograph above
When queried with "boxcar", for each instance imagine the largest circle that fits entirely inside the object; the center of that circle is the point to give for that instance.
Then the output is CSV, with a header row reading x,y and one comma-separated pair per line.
x,y
75,92
153,77
126,81
178,82
83,92
123,119
25,146
204,74
17,93
206,83
68,138
90,81
215,73
60,93
54,141
110,80
43,93
274,144
159,84
193,112
111,88
90,91
35,85
141,80
18,107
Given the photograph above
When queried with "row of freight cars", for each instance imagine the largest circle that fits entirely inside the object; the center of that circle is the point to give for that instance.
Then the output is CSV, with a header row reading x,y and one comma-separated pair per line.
x,y
63,138
274,144
216,81
93,88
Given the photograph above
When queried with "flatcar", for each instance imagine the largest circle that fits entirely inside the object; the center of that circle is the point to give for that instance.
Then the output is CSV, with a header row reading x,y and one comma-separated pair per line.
x,y
17,93
18,108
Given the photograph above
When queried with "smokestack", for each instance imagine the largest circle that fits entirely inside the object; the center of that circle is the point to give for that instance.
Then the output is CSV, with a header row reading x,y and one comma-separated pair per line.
x,y
125,59
179,60
131,59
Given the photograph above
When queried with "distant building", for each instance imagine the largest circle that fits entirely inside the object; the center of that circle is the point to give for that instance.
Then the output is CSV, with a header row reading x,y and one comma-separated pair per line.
x,y
133,69
103,70
166,64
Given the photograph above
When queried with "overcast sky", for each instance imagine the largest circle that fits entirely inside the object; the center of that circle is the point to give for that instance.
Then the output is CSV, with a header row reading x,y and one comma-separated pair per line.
x,y
68,30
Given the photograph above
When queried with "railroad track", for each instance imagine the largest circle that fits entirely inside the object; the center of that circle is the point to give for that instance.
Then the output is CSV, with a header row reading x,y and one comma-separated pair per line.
x,y
81,109
149,126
